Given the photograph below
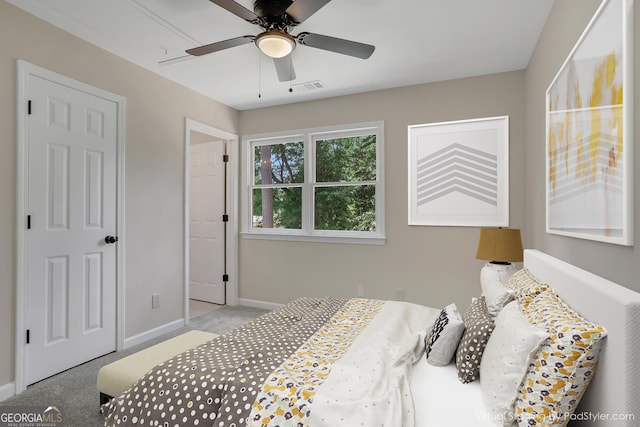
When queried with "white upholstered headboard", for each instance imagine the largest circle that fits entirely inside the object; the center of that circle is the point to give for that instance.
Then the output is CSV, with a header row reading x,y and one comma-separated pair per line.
x,y
615,389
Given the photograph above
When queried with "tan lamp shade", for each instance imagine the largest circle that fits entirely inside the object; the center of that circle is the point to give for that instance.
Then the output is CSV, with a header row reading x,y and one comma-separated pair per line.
x,y
500,245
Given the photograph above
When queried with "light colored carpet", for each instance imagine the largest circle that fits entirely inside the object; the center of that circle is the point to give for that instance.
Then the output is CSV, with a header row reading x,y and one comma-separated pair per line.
x,y
198,308
74,390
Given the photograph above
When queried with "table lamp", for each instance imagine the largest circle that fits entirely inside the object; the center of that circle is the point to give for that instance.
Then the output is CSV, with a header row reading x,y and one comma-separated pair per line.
x,y
501,247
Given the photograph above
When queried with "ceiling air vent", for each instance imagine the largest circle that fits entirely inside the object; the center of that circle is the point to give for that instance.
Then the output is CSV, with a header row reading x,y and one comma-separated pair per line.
x,y
307,86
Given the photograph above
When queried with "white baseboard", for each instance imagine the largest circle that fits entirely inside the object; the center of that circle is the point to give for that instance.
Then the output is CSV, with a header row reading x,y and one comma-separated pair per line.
x,y
7,391
153,333
258,304
172,326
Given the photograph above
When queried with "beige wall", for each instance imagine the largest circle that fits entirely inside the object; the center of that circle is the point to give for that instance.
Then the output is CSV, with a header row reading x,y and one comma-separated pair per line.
x,y
156,109
565,24
434,265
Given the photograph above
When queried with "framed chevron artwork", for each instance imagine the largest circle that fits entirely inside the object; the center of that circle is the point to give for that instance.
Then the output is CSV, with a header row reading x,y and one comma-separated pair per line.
x,y
459,173
589,134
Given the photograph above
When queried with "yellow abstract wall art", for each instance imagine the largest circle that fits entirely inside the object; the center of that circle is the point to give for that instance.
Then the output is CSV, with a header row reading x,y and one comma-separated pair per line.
x,y
589,159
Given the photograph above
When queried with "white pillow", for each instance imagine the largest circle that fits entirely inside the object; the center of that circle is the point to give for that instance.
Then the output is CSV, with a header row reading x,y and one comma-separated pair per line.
x,y
442,341
512,345
496,295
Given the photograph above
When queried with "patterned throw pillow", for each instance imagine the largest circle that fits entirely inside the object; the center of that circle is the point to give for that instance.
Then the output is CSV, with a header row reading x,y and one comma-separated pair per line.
x,y
525,287
443,340
479,325
563,366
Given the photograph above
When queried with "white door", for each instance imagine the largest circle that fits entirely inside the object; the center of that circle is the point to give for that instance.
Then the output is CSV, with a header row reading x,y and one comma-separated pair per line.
x,y
206,228
71,284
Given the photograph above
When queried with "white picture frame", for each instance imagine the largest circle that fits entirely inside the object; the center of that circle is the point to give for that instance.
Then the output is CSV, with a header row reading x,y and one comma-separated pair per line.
x,y
459,173
589,133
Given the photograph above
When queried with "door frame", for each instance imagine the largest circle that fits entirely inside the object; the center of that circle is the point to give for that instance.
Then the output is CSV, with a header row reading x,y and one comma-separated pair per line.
x,y
24,71
231,246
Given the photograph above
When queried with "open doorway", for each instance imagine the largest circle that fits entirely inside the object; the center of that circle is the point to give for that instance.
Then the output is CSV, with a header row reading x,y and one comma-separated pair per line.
x,y
210,227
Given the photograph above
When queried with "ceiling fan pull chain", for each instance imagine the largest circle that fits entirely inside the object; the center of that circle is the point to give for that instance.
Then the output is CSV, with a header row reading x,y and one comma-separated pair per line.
x,y
259,75
290,73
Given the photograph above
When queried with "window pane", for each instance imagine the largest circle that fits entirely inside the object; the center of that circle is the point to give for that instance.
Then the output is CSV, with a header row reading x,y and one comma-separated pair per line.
x,y
347,208
277,208
346,159
279,163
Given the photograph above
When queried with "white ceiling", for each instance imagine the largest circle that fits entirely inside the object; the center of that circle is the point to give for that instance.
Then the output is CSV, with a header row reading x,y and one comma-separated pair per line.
x,y
417,41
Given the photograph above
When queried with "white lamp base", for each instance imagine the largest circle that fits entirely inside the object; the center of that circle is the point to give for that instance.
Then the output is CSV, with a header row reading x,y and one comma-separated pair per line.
x,y
500,272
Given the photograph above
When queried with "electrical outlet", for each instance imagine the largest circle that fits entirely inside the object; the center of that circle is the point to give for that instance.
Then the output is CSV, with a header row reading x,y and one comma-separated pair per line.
x,y
399,294
361,291
155,301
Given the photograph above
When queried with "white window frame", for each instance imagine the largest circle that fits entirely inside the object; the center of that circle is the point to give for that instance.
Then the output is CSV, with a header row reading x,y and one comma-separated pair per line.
x,y
308,138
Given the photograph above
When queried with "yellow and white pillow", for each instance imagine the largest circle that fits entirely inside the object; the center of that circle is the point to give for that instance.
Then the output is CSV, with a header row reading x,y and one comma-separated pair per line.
x,y
564,365
525,287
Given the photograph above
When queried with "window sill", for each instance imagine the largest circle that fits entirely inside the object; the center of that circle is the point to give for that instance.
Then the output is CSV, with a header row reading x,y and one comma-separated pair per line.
x,y
315,238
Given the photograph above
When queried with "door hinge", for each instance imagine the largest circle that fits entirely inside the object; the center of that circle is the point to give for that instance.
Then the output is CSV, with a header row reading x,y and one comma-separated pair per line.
x,y
225,158
28,336
29,107
225,277
225,218
28,222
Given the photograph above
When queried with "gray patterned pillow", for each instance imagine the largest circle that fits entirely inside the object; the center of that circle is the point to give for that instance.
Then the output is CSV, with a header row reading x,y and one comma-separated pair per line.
x,y
479,325
443,340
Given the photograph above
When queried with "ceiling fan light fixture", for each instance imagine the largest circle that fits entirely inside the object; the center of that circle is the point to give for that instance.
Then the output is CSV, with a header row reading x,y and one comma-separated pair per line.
x,y
275,43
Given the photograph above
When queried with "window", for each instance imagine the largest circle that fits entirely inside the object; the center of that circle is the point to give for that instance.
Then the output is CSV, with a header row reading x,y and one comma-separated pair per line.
x,y
316,184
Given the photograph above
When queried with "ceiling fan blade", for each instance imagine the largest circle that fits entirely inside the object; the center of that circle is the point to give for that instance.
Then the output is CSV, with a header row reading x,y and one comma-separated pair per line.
x,y
225,44
300,10
334,44
284,68
237,9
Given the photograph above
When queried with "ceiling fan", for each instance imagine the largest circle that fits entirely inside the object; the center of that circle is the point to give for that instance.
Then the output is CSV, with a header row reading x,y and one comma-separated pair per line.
x,y
277,18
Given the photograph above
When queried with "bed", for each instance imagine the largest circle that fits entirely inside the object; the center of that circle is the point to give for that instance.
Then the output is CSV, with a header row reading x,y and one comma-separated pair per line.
x,y
356,362
614,393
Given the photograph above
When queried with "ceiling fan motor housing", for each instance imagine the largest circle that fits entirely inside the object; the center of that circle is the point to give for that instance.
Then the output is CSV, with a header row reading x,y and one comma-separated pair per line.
x,y
270,8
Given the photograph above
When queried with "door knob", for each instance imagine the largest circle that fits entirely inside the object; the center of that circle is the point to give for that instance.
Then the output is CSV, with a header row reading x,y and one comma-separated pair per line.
x,y
110,239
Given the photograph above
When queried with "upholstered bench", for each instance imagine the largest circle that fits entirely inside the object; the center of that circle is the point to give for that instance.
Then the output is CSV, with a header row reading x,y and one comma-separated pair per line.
x,y
117,377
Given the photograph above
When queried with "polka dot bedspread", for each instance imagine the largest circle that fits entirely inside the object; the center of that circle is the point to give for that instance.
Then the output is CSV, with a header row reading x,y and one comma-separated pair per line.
x,y
272,370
